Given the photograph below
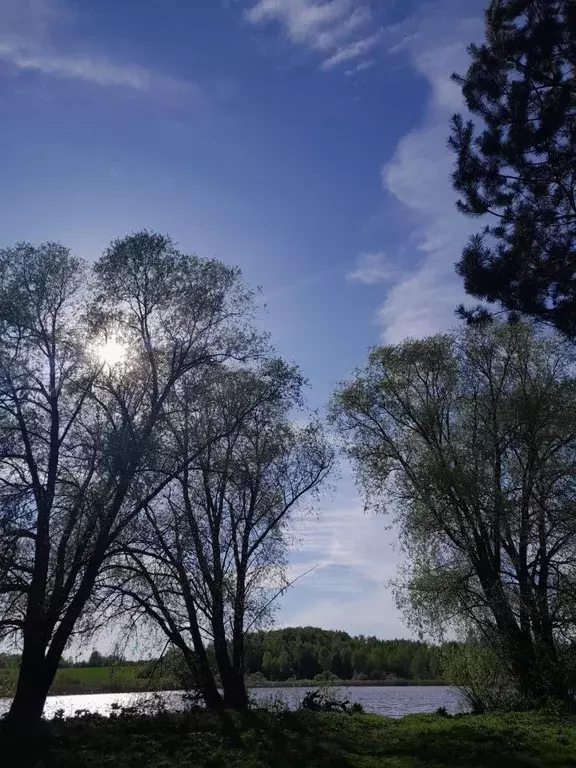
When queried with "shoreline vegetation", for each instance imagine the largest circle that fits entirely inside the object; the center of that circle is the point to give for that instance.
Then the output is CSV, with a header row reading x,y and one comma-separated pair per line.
x,y
292,657
260,739
133,679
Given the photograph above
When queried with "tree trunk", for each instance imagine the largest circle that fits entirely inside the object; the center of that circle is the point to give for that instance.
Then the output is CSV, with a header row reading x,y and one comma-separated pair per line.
x,y
34,681
533,681
211,695
203,678
555,680
235,694
28,703
239,694
233,685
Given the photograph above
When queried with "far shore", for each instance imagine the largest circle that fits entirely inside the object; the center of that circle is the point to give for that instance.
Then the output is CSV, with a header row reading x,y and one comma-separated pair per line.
x,y
68,688
132,678
340,683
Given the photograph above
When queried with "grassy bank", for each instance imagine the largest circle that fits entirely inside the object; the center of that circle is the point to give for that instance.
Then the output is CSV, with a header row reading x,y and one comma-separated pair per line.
x,y
301,739
77,680
135,678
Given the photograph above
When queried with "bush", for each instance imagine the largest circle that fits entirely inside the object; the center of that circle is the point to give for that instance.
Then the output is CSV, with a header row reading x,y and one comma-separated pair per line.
x,y
274,704
326,677
145,670
484,681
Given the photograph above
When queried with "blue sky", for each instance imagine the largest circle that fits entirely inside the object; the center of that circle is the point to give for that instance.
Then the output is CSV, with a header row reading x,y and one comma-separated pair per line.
x,y
304,140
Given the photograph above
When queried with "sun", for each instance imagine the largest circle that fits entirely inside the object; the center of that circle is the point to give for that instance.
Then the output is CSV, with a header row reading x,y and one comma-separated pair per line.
x,y
110,352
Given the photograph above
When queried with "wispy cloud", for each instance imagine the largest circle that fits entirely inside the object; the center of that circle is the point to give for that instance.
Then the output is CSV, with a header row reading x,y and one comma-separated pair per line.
x,y
372,268
417,178
28,33
356,560
371,613
97,70
345,537
304,282
340,30
354,50
360,67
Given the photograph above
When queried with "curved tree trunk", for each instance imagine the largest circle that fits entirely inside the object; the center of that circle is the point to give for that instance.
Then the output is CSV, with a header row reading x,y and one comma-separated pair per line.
x,y
34,682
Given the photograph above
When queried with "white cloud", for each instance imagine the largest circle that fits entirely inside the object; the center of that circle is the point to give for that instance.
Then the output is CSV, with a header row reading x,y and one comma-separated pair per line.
x,y
355,558
375,613
339,29
418,178
438,64
99,71
352,51
360,67
372,268
306,21
29,29
345,537
421,304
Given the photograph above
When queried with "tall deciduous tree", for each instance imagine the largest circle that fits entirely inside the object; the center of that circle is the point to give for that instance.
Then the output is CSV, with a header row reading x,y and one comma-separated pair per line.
x,y
516,160
204,561
80,449
470,438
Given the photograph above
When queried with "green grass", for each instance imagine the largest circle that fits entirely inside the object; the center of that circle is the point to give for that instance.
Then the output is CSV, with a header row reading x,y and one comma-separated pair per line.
x,y
303,740
122,678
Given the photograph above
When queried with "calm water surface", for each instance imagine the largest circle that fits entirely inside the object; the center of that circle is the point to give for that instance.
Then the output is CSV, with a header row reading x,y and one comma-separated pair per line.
x,y
393,701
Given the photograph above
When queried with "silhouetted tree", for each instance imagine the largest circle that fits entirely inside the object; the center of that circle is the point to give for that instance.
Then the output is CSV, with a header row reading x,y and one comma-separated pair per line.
x,y
80,454
96,659
516,161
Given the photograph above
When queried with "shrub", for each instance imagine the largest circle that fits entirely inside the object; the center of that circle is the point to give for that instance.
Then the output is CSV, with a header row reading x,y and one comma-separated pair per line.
x,y
483,679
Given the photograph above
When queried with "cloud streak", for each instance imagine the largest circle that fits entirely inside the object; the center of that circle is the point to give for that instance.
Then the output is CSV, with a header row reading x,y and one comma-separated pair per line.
x,y
352,51
340,30
347,543
99,71
29,29
361,67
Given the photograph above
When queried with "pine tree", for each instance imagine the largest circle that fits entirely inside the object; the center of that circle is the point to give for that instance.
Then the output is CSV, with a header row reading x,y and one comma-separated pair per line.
x,y
516,161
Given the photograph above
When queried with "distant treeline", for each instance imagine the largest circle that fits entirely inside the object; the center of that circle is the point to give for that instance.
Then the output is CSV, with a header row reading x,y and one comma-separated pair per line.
x,y
96,659
305,653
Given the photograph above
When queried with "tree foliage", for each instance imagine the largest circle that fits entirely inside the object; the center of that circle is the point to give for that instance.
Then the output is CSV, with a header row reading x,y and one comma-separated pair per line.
x,y
303,653
470,439
516,160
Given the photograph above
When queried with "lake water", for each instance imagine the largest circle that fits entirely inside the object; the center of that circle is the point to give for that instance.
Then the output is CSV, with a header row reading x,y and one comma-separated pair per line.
x,y
393,701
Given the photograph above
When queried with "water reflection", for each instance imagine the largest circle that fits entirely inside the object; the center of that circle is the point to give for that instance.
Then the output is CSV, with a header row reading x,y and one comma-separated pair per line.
x,y
392,701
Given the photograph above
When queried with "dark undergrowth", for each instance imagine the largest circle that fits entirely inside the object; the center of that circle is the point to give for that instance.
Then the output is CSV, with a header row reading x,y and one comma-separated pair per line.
x,y
299,739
